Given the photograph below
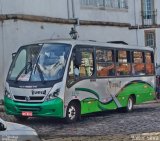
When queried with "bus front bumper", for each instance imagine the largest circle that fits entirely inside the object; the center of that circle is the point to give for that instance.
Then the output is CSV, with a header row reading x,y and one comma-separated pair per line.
x,y
52,108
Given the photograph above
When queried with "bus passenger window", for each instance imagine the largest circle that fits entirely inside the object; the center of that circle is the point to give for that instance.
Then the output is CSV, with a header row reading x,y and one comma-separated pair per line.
x,y
86,67
149,63
105,63
123,67
81,64
138,66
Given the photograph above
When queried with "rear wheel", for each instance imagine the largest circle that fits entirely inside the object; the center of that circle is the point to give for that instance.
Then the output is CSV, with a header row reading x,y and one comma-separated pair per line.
x,y
21,118
73,112
129,107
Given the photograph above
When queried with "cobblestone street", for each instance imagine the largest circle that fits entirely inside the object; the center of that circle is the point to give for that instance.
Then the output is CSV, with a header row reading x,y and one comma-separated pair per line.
x,y
144,119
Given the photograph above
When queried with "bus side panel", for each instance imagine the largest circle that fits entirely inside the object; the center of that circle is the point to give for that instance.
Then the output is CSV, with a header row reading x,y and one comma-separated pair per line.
x,y
108,94
141,90
93,105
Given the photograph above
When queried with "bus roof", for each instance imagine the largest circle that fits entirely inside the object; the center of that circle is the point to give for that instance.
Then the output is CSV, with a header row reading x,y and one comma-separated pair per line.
x,y
93,43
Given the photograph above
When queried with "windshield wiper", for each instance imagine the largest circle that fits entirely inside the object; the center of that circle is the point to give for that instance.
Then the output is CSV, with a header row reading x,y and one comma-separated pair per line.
x,y
39,70
25,67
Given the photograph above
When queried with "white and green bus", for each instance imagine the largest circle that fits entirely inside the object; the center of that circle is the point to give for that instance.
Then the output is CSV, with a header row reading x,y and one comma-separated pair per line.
x,y
70,78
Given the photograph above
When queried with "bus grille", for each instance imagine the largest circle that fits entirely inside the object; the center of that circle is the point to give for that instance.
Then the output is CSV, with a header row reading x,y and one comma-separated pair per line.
x,y
29,108
31,98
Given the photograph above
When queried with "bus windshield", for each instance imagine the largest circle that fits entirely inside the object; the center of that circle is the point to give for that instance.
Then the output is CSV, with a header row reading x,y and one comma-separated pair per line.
x,y
39,62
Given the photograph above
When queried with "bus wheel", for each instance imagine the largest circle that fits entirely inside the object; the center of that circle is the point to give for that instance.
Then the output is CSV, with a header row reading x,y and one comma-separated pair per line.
x,y
129,107
72,113
130,103
20,118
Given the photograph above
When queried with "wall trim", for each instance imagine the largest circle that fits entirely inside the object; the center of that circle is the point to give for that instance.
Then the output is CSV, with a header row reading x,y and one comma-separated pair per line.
x,y
35,18
144,26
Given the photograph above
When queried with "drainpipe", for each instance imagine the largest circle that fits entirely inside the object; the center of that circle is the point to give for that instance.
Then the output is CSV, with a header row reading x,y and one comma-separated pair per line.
x,y
135,22
68,9
74,16
73,9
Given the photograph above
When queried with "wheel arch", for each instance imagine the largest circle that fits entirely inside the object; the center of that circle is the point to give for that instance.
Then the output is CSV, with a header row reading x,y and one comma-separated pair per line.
x,y
133,97
76,101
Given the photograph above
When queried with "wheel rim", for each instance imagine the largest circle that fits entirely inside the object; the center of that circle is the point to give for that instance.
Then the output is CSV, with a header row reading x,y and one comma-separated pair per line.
x,y
72,112
130,104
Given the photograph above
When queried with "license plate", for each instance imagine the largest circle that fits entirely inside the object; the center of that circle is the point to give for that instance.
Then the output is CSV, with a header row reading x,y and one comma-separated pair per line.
x,y
27,114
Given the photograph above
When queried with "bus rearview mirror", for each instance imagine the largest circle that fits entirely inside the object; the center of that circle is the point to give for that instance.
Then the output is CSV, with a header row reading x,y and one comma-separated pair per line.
x,y
13,55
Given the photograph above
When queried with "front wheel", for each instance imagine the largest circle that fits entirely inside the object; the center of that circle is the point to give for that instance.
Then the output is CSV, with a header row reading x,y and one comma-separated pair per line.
x,y
72,113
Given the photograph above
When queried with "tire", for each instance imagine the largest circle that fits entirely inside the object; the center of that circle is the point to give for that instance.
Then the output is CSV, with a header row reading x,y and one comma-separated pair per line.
x,y
130,103
72,113
20,118
129,107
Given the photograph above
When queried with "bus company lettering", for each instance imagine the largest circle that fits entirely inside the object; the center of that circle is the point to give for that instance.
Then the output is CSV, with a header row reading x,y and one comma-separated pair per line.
x,y
38,92
114,84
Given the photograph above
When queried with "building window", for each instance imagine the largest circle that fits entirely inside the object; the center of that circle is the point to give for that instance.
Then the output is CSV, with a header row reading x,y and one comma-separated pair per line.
x,y
150,38
120,4
148,12
148,8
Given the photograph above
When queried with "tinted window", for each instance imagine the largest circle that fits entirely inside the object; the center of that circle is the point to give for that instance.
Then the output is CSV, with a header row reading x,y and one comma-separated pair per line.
x,y
105,62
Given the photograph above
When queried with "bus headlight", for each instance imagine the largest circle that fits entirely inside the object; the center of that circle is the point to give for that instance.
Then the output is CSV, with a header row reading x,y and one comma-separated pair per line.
x,y
53,95
8,94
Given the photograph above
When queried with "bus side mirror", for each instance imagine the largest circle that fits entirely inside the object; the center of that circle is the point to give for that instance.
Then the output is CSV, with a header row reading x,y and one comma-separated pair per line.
x,y
13,55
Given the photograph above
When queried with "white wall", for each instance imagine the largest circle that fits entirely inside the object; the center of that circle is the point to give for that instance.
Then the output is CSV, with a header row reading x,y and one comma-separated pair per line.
x,y
51,8
105,33
97,14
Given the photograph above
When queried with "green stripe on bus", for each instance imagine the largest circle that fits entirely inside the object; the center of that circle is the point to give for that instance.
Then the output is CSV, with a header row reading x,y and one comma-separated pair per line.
x,y
88,90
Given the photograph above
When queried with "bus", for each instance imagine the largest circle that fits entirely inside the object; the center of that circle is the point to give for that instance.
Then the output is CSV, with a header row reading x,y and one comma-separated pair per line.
x,y
70,78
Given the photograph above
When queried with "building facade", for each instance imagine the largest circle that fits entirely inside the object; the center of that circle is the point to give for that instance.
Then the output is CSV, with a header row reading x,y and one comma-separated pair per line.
x,y
135,22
